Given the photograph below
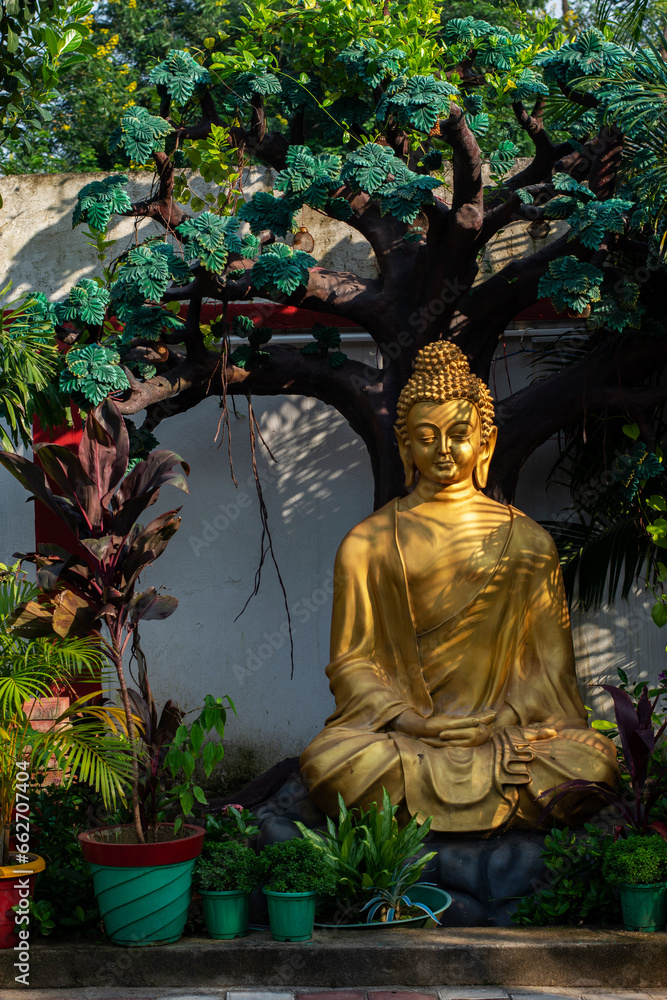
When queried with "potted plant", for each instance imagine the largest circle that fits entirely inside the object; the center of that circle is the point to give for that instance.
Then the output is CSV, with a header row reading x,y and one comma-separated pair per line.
x,y
142,873
294,874
392,905
225,874
80,742
374,860
637,865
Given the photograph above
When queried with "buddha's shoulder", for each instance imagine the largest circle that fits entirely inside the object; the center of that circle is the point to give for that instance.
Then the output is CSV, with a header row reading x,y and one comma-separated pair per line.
x,y
363,538
530,534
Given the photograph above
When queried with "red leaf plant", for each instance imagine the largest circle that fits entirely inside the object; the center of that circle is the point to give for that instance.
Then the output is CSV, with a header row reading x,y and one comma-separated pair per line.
x,y
90,583
638,741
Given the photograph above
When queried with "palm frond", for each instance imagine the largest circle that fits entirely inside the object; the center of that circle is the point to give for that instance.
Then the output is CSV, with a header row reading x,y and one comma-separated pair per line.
x,y
82,752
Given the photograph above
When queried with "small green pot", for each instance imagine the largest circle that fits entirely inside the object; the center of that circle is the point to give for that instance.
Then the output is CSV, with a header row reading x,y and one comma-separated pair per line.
x,y
644,907
226,913
291,914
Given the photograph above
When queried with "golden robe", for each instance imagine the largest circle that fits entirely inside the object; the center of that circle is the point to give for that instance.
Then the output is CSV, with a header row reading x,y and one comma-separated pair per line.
x,y
508,650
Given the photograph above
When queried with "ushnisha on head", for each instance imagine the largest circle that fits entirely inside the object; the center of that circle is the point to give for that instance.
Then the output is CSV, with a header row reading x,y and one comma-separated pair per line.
x,y
442,376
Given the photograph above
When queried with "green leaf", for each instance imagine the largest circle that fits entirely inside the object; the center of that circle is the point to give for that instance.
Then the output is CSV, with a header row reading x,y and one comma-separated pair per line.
x,y
281,269
180,75
211,238
659,614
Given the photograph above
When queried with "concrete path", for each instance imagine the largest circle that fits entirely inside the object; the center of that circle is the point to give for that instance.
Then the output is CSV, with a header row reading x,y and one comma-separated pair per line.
x,y
363,993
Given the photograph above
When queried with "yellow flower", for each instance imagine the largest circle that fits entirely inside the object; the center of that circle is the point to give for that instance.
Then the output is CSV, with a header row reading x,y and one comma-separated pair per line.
x,y
132,4
133,86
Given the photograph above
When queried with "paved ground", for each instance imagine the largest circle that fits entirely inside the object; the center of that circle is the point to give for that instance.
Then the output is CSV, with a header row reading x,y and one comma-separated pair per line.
x,y
363,993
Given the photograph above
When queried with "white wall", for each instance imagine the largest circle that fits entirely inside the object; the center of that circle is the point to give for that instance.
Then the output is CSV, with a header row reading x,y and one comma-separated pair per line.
x,y
320,487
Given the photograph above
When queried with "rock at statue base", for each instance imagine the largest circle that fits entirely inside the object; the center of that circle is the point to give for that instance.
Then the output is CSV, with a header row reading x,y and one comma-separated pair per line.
x,y
485,878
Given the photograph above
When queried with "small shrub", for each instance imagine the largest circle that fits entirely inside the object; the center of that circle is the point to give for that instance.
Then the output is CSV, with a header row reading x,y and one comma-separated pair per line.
x,y
636,860
578,892
227,866
296,866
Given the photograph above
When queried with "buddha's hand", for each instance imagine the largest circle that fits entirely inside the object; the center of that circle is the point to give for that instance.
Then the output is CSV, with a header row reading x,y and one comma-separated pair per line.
x,y
446,730
534,733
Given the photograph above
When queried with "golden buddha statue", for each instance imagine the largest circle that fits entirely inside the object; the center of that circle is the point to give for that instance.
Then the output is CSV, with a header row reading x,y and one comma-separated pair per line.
x,y
451,654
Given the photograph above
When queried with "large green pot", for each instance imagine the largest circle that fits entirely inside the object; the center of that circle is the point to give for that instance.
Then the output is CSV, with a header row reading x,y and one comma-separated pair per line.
x,y
226,913
291,914
644,907
143,890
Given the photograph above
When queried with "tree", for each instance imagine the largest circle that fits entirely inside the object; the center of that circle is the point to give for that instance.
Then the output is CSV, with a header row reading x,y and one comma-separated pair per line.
x,y
124,40
38,41
371,106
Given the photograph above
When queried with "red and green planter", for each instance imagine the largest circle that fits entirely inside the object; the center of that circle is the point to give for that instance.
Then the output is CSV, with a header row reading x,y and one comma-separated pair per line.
x,y
17,883
143,890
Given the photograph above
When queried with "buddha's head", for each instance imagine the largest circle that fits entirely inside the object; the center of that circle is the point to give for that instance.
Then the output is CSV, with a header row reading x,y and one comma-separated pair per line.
x,y
445,424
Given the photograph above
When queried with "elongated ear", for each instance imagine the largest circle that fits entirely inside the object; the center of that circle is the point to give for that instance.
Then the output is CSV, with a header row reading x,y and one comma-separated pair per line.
x,y
408,461
481,473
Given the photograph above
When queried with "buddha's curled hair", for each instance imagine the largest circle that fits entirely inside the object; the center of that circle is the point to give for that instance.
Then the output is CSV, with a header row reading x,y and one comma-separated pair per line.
x,y
442,373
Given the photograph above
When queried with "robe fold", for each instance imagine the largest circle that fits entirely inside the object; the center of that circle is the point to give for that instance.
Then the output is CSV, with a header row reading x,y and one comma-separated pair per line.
x,y
508,650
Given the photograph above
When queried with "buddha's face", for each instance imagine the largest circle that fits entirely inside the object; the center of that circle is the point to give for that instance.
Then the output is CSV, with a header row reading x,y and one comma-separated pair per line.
x,y
445,440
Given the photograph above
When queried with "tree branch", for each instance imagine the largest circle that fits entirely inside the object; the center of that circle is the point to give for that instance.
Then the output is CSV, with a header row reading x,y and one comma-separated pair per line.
x,y
605,381
161,206
584,99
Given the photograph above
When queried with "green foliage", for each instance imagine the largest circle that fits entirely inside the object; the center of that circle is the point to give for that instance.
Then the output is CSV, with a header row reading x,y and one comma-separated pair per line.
x,y
39,41
296,866
417,101
139,134
97,202
264,211
227,865
146,322
636,860
28,365
246,85
100,505
365,850
464,30
633,468
82,742
64,900
86,304
147,271
577,892
234,822
589,222
376,170
91,373
179,75
311,179
190,745
529,87
326,338
281,269
499,50
393,903
571,284
366,60
503,158
212,238
142,443
590,55
257,336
